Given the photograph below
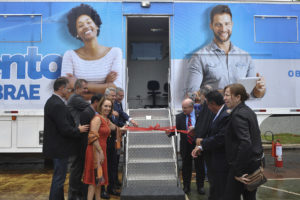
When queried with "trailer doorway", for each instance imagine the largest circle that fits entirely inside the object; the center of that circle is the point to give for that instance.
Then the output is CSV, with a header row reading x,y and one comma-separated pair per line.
x,y
148,61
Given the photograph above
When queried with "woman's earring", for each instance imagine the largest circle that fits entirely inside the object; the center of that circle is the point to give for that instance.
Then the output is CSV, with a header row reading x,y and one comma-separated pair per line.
x,y
77,36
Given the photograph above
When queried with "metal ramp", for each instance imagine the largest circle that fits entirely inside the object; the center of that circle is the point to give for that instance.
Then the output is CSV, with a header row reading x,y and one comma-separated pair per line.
x,y
150,160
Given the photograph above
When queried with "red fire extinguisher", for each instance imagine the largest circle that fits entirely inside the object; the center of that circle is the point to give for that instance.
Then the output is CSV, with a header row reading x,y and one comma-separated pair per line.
x,y
278,154
273,148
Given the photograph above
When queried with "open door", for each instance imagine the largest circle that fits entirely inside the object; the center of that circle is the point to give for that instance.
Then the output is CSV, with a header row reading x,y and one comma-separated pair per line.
x,y
148,61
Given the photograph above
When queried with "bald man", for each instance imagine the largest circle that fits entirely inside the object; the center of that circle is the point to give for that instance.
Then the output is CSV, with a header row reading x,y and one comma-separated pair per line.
x,y
186,121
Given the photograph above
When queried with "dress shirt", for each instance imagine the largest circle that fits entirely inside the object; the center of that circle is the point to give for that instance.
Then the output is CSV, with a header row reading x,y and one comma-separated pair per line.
x,y
210,65
218,113
193,118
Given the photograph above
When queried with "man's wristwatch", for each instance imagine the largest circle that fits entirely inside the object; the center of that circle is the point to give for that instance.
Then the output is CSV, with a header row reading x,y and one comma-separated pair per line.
x,y
200,147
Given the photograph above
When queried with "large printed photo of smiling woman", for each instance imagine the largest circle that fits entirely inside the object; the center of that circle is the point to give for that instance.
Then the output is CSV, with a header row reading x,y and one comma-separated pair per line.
x,y
99,65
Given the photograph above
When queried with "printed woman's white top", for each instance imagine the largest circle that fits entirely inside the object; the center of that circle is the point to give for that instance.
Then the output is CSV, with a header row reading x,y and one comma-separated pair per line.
x,y
93,70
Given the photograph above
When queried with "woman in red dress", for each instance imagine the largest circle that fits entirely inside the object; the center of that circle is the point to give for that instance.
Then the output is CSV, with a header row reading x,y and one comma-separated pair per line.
x,y
95,169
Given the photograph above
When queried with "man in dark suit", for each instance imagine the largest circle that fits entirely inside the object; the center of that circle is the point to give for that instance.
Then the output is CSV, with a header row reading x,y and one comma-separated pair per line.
x,y
85,118
110,93
88,114
60,135
214,143
186,121
205,115
202,127
123,116
76,104
121,121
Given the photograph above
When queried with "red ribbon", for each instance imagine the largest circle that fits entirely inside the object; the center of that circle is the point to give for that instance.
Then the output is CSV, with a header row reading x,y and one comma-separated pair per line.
x,y
167,129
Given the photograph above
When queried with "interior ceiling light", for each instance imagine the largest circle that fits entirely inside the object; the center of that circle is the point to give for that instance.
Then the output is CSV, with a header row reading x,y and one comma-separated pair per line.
x,y
156,29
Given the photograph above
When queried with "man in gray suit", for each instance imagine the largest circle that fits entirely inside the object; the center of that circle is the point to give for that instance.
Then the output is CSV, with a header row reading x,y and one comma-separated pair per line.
x,y
76,105
76,102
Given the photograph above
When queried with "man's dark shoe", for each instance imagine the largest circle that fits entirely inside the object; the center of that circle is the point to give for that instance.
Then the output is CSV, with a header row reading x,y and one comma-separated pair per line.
x,y
118,185
113,192
187,190
201,190
75,197
104,195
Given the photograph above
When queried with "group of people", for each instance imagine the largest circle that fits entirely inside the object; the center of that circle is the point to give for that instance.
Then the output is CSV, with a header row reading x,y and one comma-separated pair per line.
x,y
223,132
88,135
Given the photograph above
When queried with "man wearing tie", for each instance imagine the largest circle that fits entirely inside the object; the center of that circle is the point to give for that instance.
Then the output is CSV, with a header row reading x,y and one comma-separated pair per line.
x,y
214,144
186,121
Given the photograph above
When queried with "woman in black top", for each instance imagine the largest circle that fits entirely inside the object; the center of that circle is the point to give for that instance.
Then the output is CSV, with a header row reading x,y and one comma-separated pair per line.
x,y
243,143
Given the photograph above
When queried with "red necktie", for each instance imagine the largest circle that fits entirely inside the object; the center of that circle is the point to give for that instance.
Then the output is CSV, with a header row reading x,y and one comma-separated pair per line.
x,y
189,137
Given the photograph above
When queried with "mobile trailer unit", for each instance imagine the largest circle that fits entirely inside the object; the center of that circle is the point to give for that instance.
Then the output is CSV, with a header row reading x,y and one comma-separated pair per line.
x,y
157,39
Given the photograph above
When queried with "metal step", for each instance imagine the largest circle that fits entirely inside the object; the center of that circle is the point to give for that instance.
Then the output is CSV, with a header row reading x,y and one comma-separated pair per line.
x,y
143,146
149,160
154,113
150,152
159,169
146,192
153,122
152,177
152,181
148,138
151,168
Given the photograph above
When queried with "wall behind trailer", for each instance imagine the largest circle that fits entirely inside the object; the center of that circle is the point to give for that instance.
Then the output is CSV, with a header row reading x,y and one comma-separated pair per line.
x,y
278,61
27,67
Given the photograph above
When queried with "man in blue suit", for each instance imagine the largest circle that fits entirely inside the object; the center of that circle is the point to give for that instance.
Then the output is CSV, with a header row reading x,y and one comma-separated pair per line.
x,y
123,116
214,144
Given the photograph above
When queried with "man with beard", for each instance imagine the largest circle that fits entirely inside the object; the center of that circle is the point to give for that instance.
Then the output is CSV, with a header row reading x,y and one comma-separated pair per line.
x,y
221,63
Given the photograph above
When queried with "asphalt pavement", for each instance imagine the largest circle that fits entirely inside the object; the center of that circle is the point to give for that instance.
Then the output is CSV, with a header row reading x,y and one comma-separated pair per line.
x,y
26,177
